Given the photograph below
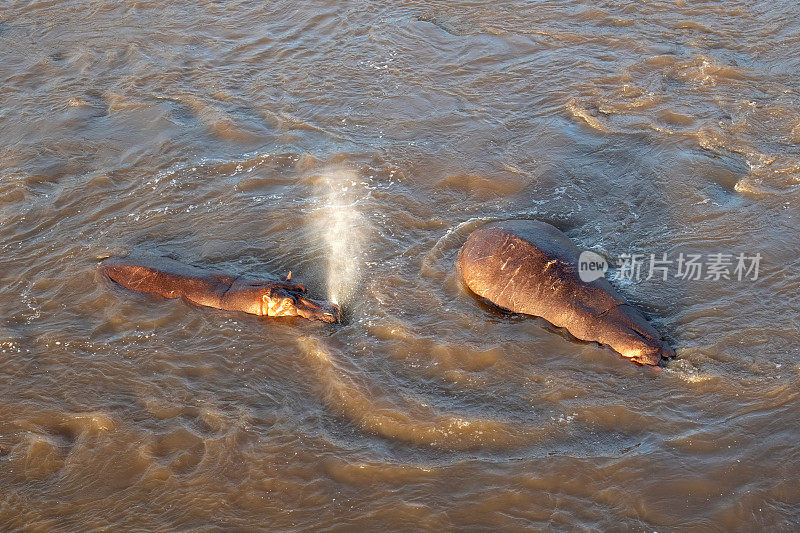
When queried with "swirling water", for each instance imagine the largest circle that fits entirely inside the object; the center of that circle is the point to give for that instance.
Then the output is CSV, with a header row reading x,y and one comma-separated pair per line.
x,y
223,134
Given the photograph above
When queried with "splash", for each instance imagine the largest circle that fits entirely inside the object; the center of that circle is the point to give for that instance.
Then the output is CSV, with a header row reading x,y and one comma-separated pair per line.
x,y
343,230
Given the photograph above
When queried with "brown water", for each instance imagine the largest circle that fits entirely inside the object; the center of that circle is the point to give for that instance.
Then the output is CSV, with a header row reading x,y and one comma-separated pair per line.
x,y
357,144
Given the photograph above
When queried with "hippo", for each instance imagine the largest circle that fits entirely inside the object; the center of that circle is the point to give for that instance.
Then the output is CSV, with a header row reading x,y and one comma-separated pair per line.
x,y
172,279
531,267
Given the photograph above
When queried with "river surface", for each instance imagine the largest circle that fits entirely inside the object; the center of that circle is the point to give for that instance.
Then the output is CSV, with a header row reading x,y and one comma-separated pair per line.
x,y
357,144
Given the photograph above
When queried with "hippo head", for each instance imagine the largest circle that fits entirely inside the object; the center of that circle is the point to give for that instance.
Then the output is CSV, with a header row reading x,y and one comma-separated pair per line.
x,y
625,330
644,351
290,300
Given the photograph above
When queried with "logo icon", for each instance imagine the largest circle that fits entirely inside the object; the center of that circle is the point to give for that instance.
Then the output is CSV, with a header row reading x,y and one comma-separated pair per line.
x,y
591,266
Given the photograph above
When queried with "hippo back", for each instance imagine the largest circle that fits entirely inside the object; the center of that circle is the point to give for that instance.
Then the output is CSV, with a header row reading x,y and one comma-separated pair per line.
x,y
531,267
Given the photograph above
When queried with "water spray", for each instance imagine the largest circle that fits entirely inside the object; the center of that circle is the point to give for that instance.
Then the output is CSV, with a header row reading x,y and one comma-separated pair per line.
x,y
343,230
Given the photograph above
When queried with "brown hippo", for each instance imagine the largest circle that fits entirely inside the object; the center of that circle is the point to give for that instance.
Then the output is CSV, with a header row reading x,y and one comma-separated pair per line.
x,y
531,267
171,279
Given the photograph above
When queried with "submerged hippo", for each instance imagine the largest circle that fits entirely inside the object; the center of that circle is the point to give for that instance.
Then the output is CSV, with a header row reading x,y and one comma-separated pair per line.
x,y
531,267
171,279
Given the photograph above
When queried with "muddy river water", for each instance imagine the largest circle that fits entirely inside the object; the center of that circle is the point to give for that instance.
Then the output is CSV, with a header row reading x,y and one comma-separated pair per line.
x,y
357,144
